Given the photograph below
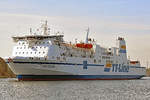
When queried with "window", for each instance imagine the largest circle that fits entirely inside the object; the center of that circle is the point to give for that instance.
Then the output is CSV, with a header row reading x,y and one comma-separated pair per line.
x,y
31,52
99,61
26,52
94,60
35,52
20,47
22,52
39,52
17,47
16,52
43,42
43,52
24,47
19,52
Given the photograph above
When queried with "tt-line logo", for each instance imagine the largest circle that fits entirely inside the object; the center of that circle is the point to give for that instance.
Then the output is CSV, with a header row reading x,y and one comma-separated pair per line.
x,y
117,68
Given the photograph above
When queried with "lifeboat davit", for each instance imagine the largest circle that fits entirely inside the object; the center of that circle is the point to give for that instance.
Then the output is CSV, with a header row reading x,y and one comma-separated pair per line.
x,y
84,45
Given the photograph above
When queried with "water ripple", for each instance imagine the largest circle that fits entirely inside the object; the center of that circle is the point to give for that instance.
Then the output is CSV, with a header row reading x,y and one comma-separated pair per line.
x,y
10,89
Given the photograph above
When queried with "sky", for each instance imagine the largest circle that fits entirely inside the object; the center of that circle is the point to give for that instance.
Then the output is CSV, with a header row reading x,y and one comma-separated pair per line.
x,y
107,20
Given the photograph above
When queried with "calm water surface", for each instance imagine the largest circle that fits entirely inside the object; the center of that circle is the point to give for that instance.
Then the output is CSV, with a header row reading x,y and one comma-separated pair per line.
x,y
10,89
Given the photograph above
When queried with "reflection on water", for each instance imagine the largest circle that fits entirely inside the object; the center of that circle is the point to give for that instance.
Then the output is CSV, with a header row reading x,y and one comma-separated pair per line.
x,y
10,89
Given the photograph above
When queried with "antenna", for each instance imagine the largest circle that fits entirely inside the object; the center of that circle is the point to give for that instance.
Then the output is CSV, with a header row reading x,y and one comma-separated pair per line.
x,y
147,64
116,40
76,40
30,31
86,41
45,28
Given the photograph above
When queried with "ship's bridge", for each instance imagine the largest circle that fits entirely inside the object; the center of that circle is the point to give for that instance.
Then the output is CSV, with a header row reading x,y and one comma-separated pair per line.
x,y
34,46
38,37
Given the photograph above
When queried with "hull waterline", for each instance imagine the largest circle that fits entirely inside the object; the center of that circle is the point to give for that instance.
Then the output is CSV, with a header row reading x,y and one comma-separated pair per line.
x,y
76,77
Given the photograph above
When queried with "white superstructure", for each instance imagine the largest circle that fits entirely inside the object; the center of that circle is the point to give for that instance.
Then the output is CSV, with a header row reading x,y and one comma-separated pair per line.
x,y
49,57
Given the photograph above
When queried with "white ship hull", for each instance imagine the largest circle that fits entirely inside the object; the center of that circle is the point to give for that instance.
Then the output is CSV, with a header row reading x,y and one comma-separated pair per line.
x,y
71,71
49,57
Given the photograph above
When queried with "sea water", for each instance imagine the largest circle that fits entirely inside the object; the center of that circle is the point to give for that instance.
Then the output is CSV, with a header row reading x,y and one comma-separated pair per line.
x,y
11,89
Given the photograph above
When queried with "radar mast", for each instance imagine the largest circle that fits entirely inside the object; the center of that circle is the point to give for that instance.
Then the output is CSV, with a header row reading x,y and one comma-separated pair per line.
x,y
87,36
45,28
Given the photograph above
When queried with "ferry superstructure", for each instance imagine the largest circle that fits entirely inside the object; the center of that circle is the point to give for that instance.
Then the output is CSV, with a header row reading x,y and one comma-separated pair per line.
x,y
49,57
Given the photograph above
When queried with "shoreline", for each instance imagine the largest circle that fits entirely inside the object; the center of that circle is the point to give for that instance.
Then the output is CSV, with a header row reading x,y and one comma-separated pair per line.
x,y
5,71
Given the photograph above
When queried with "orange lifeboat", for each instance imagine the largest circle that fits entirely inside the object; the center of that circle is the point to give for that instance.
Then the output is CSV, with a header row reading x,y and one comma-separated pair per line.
x,y
83,45
134,62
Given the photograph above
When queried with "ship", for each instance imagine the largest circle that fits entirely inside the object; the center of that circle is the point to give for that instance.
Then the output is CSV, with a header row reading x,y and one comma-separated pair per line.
x,y
47,56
